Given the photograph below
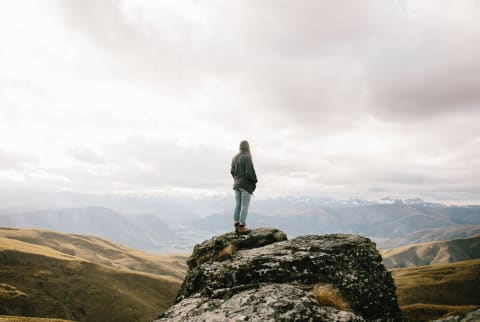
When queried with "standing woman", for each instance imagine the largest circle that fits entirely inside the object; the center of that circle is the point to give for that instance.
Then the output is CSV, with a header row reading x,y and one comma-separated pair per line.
x,y
244,184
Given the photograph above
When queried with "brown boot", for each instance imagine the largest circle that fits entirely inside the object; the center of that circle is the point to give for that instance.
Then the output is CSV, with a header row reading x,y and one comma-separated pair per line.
x,y
236,227
242,229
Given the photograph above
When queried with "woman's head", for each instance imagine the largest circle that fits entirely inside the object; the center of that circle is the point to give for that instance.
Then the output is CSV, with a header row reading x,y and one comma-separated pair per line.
x,y
244,146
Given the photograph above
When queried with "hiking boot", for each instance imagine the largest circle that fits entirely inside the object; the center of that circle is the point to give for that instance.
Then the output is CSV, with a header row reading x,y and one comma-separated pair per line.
x,y
236,227
242,229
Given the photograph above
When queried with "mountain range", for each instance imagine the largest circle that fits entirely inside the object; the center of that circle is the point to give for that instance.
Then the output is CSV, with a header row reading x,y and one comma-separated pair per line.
x,y
87,278
146,232
385,222
389,222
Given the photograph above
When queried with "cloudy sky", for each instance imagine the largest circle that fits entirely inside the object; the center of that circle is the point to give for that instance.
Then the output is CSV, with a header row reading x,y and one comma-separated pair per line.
x,y
344,99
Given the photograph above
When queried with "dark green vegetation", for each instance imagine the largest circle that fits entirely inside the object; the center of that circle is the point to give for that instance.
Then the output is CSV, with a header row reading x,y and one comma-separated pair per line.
x,y
430,292
82,278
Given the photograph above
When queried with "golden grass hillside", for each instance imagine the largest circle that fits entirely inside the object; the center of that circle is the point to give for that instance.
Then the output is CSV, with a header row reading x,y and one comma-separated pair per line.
x,y
439,252
100,251
7,318
47,278
430,292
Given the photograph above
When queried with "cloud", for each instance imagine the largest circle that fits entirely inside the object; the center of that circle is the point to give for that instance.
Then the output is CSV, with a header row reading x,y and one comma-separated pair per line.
x,y
343,98
139,165
161,51
14,161
424,64
311,62
86,154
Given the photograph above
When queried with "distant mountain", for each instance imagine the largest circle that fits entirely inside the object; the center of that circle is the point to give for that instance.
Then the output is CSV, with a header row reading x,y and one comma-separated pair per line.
x,y
83,278
387,221
433,234
430,292
145,232
439,252
381,220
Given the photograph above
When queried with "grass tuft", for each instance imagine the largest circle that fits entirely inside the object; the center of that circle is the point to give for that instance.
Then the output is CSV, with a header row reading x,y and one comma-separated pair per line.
x,y
327,295
226,252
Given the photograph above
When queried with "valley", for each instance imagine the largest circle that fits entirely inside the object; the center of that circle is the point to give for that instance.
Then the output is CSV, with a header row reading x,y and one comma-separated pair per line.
x,y
69,276
83,278
434,291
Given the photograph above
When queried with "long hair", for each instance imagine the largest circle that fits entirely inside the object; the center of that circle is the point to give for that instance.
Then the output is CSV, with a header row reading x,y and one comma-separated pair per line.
x,y
245,147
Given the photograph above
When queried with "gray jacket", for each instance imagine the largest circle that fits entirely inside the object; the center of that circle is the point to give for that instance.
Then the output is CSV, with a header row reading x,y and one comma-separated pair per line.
x,y
243,172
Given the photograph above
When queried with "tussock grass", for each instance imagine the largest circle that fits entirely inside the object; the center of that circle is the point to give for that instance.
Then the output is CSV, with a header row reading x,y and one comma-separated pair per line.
x,y
91,248
327,295
81,290
445,284
17,245
436,252
7,318
83,278
226,252
202,259
426,312
8,291
430,292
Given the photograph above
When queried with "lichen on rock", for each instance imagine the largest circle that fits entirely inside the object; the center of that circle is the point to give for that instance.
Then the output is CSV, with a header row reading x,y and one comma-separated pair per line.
x,y
262,276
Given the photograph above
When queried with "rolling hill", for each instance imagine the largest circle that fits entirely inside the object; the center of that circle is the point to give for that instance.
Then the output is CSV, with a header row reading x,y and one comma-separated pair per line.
x,y
86,278
10,318
100,251
83,278
439,252
433,234
429,292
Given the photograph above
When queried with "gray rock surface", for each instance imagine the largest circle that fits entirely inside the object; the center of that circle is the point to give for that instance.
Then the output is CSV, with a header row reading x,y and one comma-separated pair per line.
x,y
473,316
263,277
217,248
270,302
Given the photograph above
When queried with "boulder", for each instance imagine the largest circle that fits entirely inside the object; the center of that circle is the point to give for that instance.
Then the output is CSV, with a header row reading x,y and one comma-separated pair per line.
x,y
473,316
220,247
262,276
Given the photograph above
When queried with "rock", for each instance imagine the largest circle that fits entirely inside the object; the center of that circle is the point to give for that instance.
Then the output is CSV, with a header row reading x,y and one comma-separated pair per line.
x,y
270,302
264,277
472,316
220,247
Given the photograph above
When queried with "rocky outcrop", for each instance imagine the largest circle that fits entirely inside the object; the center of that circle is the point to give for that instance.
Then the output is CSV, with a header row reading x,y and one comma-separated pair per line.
x,y
473,316
221,247
262,276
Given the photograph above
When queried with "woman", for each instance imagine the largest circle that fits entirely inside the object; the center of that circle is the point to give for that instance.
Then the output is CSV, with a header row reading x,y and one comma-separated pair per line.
x,y
244,184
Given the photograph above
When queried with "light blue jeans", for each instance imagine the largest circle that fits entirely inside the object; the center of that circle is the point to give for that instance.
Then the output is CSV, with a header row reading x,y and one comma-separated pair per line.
x,y
242,200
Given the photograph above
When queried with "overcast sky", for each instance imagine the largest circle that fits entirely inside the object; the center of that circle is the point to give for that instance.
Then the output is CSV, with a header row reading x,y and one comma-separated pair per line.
x,y
344,99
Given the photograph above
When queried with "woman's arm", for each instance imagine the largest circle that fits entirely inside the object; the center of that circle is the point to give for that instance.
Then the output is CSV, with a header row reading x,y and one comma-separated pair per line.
x,y
250,171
